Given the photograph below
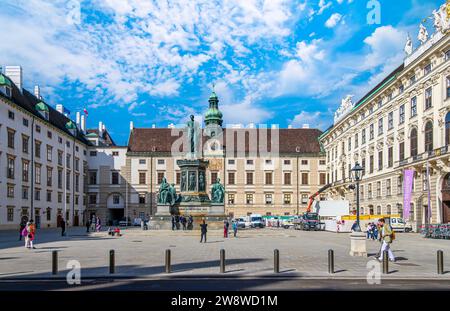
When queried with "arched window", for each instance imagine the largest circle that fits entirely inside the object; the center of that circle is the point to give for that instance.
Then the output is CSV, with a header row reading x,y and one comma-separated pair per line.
x,y
388,210
378,210
413,142
429,136
447,128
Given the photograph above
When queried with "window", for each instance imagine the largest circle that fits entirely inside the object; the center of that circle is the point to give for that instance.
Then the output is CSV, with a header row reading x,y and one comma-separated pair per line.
x,y
67,201
115,153
37,174
268,198
49,176
92,199
304,178
322,178
390,120
178,178
390,156
77,164
412,80
249,162
38,128
322,162
77,183
429,136
10,191
37,148
287,178
116,199
371,132
25,140
60,172
287,198
268,162
25,193
142,198
356,140
161,161
401,151
349,144
49,134
447,55
378,188
413,106
68,180
92,177
11,134
25,170
427,69
268,178
68,160
231,198
388,186
10,114
93,153
142,178
287,162
413,142
304,162
304,198
231,162
399,184
60,197
447,129
60,157
363,164
249,178
37,194
361,191
231,180
380,103
49,214
363,136
49,196
401,113
369,191
10,214
428,98
371,164
160,177
60,139
401,89
213,177
115,178
380,126
380,160
142,161
249,198
49,153
10,170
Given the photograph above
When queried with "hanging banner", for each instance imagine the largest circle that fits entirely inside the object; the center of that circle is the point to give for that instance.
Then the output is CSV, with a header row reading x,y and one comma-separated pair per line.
x,y
429,193
408,179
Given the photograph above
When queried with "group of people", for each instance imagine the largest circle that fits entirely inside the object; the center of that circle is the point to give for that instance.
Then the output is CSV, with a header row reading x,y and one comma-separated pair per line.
x,y
95,224
372,231
186,223
28,232
226,228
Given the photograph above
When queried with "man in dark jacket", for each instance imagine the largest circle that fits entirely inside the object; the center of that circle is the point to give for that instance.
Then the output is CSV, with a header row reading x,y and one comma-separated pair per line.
x,y
203,228
63,227
88,225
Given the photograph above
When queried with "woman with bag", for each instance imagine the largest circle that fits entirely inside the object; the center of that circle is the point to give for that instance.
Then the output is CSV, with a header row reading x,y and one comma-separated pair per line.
x,y
31,233
25,234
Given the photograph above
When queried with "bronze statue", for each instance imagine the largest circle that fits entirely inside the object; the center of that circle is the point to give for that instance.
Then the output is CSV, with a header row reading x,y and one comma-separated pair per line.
x,y
164,192
217,192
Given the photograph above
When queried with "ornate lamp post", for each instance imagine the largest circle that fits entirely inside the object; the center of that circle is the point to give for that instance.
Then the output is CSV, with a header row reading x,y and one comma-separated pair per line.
x,y
356,175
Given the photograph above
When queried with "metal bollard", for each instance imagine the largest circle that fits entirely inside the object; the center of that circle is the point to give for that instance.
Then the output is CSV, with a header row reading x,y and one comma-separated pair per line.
x,y
55,262
222,261
167,260
276,261
330,261
440,262
111,262
385,262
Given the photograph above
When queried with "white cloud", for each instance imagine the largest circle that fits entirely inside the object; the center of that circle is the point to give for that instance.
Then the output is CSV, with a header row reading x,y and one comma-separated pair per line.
x,y
315,119
333,20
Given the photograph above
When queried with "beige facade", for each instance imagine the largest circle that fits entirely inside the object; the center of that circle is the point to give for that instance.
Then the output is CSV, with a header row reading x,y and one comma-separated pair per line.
x,y
403,123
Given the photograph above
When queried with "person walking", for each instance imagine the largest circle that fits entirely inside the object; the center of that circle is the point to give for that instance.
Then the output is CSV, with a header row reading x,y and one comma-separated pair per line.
x,y
23,224
386,237
183,222
173,222
225,229
190,222
98,225
235,228
204,230
31,233
25,234
63,227
88,224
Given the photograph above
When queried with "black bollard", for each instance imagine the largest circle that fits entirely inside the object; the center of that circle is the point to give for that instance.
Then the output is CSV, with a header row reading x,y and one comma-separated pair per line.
x,y
385,262
276,261
111,262
55,262
330,261
222,261
167,260
440,262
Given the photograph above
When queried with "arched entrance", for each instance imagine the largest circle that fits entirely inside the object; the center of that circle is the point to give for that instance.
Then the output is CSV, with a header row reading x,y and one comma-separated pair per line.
x,y
446,199
116,208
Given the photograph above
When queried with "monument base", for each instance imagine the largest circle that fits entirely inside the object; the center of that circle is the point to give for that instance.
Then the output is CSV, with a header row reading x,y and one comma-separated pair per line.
x,y
358,244
194,209
165,222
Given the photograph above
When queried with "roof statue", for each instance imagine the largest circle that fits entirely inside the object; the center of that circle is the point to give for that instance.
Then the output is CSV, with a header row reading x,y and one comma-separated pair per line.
x,y
441,18
423,34
408,46
346,106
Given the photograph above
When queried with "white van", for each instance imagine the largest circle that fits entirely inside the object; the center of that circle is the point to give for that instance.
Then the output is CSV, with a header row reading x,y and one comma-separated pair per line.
x,y
254,221
398,224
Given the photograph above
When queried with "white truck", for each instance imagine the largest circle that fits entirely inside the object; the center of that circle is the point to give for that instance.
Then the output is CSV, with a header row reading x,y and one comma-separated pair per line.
x,y
254,221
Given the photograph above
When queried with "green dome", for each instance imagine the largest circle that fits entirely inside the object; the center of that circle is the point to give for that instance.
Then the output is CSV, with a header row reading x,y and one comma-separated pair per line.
x,y
213,113
70,125
4,81
41,106
213,95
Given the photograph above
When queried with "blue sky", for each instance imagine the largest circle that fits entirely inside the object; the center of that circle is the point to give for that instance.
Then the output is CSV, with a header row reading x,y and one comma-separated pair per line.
x,y
154,62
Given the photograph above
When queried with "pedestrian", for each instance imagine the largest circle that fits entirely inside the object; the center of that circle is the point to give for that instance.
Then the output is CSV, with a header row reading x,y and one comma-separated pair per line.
x,y
23,224
225,229
31,233
386,237
183,222
190,222
354,226
375,232
235,228
93,223
98,225
24,233
177,222
204,230
173,222
88,224
63,227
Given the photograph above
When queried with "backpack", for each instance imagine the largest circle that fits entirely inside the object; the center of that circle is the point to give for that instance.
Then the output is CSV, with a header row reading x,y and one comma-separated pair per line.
x,y
393,235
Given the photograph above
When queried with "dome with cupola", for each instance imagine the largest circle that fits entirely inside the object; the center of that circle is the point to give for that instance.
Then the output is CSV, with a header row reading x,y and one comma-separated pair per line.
x,y
4,81
213,115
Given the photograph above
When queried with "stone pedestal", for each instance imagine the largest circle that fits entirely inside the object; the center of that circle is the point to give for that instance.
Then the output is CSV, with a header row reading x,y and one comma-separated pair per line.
x,y
358,244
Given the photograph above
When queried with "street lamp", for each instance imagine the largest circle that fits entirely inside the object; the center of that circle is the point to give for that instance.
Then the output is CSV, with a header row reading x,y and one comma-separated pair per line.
x,y
356,175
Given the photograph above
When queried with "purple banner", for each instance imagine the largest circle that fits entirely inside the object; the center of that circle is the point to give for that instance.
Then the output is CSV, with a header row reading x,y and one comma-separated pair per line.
x,y
429,193
408,178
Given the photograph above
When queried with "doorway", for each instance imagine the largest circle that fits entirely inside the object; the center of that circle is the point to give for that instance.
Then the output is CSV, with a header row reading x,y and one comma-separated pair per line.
x,y
115,215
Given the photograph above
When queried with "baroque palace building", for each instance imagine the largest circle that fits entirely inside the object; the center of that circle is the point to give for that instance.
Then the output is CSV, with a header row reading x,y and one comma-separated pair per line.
x,y
402,123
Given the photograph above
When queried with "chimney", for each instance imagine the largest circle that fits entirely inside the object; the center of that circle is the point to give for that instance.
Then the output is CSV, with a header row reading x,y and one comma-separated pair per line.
x,y
290,126
274,126
153,126
251,125
305,126
15,74
37,91
100,128
77,119
131,125
83,123
60,108
171,126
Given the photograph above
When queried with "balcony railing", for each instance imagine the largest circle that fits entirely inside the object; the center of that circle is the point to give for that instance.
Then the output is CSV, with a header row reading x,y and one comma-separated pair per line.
x,y
425,155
